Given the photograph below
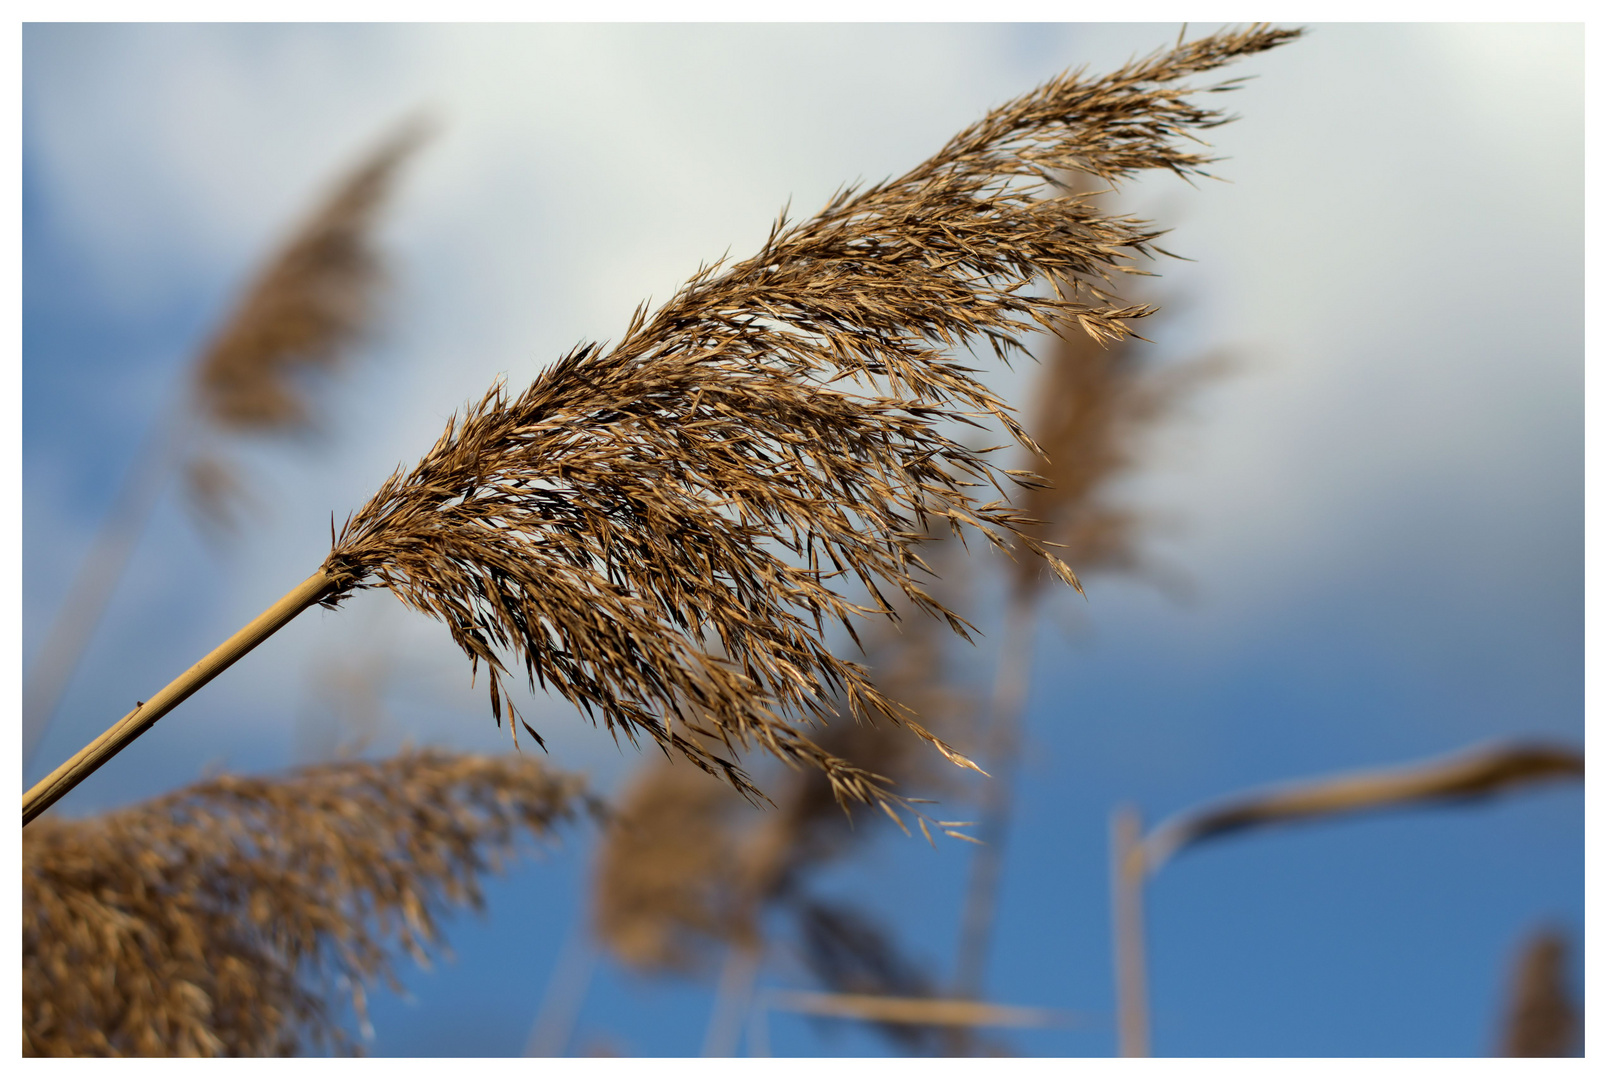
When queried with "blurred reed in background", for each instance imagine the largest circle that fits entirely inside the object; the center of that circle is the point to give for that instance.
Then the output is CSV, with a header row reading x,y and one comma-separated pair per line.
x,y
306,310
237,916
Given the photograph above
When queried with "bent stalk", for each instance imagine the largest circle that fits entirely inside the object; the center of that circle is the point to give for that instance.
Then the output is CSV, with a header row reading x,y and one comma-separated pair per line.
x,y
71,772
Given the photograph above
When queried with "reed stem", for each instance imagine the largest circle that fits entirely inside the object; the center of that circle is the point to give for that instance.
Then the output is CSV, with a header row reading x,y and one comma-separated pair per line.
x,y
1011,679
981,907
81,612
876,1008
71,772
566,993
1128,872
733,1000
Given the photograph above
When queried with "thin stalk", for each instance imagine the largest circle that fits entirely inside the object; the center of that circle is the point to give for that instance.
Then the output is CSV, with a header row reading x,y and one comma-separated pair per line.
x,y
71,772
75,622
1135,858
981,908
732,1000
566,993
759,1031
1477,773
1011,679
1127,874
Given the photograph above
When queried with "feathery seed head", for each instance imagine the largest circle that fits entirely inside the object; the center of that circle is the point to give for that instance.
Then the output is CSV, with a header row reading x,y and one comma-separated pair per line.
x,y
223,918
661,531
306,306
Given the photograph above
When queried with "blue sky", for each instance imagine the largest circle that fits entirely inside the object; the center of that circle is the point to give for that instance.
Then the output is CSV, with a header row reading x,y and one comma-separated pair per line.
x,y
1379,513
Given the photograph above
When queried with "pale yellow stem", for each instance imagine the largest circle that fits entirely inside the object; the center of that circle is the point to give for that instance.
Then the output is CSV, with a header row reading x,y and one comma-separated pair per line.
x,y
70,772
1128,872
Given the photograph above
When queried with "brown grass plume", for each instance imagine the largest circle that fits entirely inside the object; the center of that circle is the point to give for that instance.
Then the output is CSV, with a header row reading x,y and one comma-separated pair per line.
x,y
308,305
687,869
658,530
226,918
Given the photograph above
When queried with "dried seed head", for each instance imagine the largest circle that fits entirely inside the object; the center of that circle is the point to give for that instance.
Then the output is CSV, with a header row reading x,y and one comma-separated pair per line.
x,y
226,917
688,866
1094,404
659,531
665,888
308,306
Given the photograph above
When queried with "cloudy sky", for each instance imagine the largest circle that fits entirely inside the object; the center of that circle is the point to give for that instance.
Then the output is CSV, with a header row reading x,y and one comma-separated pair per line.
x,y
1378,514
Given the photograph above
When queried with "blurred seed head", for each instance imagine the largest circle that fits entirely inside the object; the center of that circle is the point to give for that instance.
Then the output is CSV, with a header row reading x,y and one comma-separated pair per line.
x,y
229,918
308,306
667,887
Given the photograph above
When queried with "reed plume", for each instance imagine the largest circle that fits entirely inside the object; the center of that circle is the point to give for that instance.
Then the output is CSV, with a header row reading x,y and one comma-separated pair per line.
x,y
1094,405
669,880
688,862
229,917
852,953
300,318
657,530
309,304
688,871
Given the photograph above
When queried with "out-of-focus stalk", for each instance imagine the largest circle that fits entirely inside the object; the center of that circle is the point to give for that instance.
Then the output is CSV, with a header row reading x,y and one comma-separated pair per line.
x,y
1127,874
732,1000
58,656
1011,679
